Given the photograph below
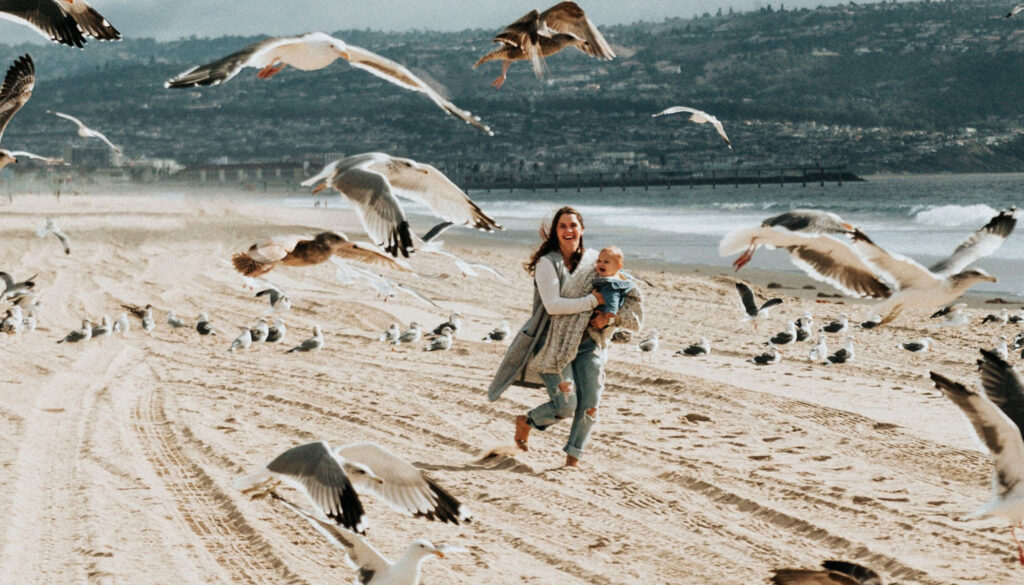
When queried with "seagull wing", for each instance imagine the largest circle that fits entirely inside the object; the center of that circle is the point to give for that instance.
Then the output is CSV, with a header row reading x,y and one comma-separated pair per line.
x,y
378,209
79,123
48,18
900,270
416,295
405,488
518,33
360,554
747,298
981,243
493,271
391,71
314,469
720,129
370,254
225,68
437,230
569,18
274,250
675,110
90,21
16,90
769,304
996,431
63,238
1003,386
326,173
45,159
425,184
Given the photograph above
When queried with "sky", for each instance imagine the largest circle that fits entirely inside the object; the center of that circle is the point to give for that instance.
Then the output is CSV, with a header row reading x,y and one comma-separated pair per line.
x,y
166,20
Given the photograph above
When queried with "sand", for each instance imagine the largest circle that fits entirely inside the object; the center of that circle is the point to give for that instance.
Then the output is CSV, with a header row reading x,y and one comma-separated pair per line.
x,y
117,457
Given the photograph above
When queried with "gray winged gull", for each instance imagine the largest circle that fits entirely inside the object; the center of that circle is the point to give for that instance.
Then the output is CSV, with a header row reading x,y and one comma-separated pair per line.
x,y
311,52
997,418
87,132
15,93
51,227
752,312
697,117
67,22
313,343
702,347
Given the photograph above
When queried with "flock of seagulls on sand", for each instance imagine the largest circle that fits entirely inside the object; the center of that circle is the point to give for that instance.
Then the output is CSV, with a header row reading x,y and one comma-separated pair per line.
x,y
334,478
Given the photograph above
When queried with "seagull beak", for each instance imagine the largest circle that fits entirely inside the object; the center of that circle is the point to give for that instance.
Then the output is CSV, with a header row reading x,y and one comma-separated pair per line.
x,y
379,481
345,55
848,226
319,188
439,554
992,279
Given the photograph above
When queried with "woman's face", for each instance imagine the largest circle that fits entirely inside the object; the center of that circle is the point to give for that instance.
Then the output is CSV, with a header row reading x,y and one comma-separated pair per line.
x,y
569,231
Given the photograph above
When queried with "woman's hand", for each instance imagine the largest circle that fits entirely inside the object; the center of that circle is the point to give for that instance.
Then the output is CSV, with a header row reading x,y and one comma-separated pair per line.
x,y
599,297
601,320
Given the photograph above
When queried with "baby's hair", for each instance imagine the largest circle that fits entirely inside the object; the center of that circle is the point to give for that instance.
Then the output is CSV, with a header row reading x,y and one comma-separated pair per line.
x,y
614,251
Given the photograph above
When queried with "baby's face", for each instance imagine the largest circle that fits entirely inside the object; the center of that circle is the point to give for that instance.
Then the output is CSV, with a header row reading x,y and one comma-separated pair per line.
x,y
607,264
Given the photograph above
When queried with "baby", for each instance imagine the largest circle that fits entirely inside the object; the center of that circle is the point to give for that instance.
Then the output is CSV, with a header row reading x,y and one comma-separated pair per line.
x,y
610,282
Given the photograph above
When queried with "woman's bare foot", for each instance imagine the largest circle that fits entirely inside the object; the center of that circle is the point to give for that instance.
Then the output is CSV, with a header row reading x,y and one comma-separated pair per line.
x,y
571,461
522,432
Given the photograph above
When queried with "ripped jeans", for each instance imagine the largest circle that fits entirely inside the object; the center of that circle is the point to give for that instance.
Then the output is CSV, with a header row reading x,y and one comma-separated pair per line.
x,y
586,372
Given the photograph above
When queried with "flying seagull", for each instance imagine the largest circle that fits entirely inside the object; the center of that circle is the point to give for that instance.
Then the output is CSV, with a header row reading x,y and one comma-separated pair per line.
x,y
279,301
697,117
67,22
87,132
373,568
19,154
262,257
311,52
1013,11
15,92
997,417
538,35
833,573
51,227
753,312
371,181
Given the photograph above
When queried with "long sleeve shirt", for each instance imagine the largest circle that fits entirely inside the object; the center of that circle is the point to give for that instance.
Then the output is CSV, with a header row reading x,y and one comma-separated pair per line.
x,y
550,290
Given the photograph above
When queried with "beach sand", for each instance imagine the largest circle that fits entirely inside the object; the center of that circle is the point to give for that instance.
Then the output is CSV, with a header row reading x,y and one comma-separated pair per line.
x,y
117,456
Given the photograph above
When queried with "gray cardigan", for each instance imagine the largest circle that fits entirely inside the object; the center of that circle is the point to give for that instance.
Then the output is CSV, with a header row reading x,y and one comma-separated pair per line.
x,y
530,339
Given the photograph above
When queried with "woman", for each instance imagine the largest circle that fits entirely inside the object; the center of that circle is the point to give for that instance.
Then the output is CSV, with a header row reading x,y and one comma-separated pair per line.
x,y
562,266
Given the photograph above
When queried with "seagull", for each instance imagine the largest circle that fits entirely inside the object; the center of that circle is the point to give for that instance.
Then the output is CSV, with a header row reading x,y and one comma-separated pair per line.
x,y
499,333
315,342
321,474
922,344
51,227
698,117
67,22
410,335
839,326
804,325
443,342
622,336
1018,341
819,352
954,314
19,154
311,52
454,323
943,282
121,325
14,93
349,274
650,344
83,334
373,568
753,312
260,331
538,35
11,323
371,181
702,347
843,355
467,268
1013,11
871,323
1018,318
85,131
203,325
262,257
997,417
1000,349
785,336
243,341
391,334
772,357
103,329
174,321
277,331
279,301
1001,319
812,238
148,323
12,289
834,573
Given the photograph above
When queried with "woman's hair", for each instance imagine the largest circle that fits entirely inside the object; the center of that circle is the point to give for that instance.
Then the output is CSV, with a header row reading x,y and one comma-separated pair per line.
x,y
550,243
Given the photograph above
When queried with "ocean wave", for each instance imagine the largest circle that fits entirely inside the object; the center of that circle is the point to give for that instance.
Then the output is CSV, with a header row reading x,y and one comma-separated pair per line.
x,y
954,215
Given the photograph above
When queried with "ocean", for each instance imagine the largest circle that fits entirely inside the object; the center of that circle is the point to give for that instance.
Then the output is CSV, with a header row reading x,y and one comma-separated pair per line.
x,y
924,217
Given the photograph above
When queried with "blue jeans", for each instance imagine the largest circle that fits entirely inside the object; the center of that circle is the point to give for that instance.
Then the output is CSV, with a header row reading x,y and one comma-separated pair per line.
x,y
586,372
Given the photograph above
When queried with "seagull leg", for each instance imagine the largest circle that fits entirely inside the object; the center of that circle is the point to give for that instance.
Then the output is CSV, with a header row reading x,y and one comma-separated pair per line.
x,y
269,71
497,83
745,257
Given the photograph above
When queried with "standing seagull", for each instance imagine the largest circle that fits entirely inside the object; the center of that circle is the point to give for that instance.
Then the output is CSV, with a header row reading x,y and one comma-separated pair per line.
x,y
922,344
67,22
843,355
499,333
820,350
787,336
997,417
410,335
371,181
203,325
541,34
15,92
83,334
766,359
313,343
391,334
311,52
454,323
443,342
839,326
650,344
87,132
243,341
51,227
698,117
753,312
702,347
373,568
121,325
277,331
174,321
